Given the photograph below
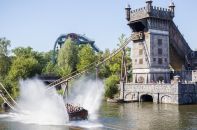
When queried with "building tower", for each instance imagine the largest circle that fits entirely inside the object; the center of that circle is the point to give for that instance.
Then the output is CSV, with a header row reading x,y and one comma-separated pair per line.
x,y
150,35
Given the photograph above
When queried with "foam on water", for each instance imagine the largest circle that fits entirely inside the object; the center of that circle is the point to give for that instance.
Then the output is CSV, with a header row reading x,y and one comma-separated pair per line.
x,y
85,124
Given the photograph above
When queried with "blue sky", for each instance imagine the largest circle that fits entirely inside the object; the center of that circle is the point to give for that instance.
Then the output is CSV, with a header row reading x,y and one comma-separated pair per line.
x,y
38,23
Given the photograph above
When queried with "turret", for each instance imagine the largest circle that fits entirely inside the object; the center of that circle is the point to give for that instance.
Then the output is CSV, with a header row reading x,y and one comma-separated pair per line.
x,y
149,5
172,7
128,10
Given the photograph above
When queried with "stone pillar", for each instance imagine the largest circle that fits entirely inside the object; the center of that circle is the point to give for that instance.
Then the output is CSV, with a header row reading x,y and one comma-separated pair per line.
x,y
147,78
158,98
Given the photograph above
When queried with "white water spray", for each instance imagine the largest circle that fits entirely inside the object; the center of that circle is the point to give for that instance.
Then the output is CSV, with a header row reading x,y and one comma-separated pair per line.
x,y
40,105
88,94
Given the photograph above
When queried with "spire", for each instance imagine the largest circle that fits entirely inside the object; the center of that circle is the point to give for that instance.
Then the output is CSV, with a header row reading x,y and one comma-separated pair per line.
x,y
171,4
172,8
149,1
149,5
128,10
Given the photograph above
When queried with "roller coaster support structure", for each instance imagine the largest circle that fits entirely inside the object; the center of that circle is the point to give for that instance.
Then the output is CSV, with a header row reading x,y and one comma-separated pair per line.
x,y
79,39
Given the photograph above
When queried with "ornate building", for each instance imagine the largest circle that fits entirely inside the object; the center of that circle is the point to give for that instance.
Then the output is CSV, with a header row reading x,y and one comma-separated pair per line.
x,y
158,46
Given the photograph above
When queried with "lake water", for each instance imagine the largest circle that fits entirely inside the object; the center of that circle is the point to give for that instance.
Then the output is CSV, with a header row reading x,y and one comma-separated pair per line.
x,y
129,116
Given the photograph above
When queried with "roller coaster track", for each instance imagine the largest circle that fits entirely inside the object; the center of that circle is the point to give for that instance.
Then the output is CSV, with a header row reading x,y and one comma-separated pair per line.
x,y
79,39
75,74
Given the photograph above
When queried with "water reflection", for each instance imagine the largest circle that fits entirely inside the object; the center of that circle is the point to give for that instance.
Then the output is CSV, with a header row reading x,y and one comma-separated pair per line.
x,y
142,116
131,116
21,126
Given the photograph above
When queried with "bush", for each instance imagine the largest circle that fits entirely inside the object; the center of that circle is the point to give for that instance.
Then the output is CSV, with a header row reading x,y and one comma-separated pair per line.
x,y
111,87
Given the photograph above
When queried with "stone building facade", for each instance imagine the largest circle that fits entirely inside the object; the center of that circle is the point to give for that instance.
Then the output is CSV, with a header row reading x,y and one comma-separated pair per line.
x,y
176,93
150,59
159,53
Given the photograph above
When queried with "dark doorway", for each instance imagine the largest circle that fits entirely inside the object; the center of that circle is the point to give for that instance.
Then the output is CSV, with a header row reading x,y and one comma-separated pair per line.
x,y
146,98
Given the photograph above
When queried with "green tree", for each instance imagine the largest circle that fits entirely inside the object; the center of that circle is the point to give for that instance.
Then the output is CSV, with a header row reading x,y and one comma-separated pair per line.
x,y
4,66
4,58
86,56
25,52
116,61
28,52
22,68
111,87
67,57
4,44
104,70
115,64
50,68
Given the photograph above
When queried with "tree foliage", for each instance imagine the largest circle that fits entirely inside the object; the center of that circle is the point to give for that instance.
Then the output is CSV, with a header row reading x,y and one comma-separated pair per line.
x,y
104,70
4,58
86,56
111,87
4,66
4,44
22,68
67,57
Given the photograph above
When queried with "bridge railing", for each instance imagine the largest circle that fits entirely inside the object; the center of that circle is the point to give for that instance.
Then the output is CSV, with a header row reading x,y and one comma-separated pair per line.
x,y
152,88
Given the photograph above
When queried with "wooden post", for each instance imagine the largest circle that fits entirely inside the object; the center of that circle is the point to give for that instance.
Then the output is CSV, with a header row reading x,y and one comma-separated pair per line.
x,y
123,75
65,93
97,71
122,64
125,65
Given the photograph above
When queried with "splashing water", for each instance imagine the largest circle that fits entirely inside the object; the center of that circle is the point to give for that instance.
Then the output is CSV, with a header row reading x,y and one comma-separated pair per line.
x,y
87,93
40,105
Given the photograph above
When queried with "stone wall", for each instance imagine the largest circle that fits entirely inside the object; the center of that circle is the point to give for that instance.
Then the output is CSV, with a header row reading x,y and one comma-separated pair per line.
x,y
177,93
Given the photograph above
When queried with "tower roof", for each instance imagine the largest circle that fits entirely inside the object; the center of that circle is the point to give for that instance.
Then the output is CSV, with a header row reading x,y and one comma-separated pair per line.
x,y
128,6
172,4
149,1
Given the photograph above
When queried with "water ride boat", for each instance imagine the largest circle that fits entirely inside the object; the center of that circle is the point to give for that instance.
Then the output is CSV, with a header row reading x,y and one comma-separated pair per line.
x,y
76,113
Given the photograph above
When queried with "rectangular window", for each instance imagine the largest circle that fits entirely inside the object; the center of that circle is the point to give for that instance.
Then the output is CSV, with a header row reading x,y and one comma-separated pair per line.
x,y
159,42
160,61
140,51
141,61
160,51
154,59
166,60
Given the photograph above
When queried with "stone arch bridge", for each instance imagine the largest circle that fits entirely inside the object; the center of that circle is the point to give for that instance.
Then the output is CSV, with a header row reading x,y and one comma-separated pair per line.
x,y
176,93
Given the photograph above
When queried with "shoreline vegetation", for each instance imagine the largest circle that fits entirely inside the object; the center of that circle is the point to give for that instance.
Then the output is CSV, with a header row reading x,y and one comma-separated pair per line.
x,y
24,62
